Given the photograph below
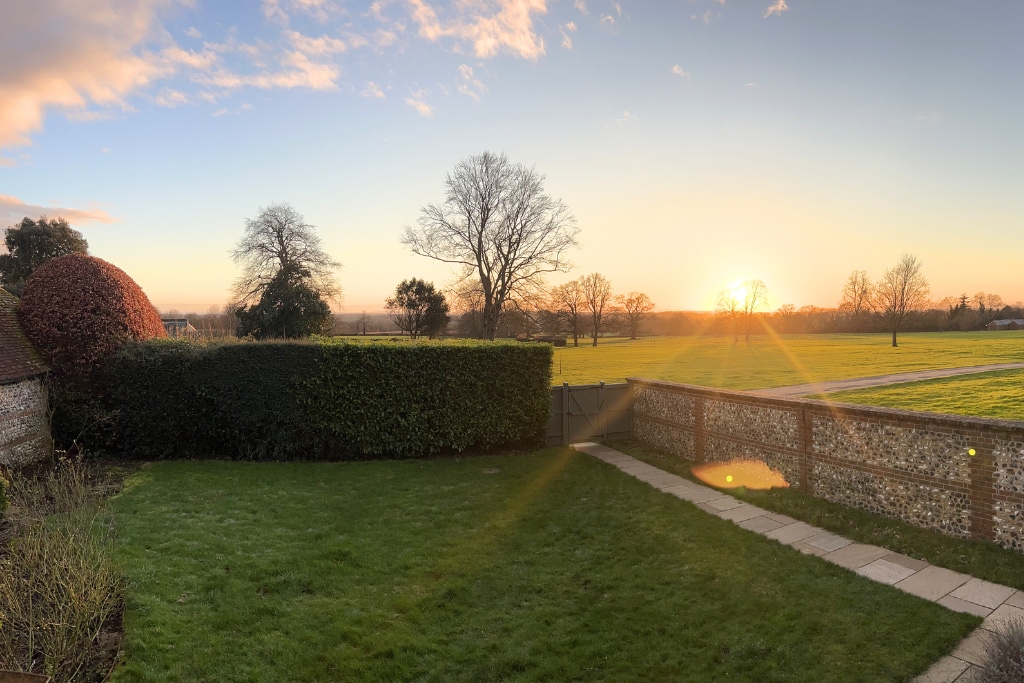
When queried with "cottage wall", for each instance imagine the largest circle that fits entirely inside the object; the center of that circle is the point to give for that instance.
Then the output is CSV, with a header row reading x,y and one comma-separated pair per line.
x,y
24,427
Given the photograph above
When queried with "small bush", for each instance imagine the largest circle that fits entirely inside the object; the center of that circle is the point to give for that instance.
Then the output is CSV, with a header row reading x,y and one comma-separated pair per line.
x,y
1004,655
59,584
78,310
277,400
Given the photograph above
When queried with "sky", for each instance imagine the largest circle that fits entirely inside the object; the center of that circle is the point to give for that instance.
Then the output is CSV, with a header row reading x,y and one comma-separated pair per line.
x,y
699,143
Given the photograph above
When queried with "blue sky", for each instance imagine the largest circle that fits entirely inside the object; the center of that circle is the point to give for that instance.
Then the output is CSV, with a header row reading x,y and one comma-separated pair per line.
x,y
698,142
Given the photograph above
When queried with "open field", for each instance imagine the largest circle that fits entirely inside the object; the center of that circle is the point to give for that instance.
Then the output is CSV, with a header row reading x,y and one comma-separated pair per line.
x,y
781,361
987,394
547,566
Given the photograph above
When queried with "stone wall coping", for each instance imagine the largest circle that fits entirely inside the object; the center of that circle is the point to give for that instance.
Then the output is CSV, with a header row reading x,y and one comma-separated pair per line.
x,y
835,409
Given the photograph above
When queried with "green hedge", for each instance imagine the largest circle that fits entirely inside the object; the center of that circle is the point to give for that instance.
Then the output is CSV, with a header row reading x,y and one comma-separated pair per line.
x,y
327,399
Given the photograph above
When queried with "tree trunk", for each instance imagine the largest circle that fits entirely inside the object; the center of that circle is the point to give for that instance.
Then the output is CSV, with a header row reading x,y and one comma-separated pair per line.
x,y
894,339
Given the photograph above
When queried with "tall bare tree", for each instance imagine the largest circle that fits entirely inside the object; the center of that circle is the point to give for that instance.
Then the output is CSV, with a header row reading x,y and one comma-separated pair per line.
x,y
902,290
597,292
634,306
728,307
755,297
280,240
856,295
496,223
569,303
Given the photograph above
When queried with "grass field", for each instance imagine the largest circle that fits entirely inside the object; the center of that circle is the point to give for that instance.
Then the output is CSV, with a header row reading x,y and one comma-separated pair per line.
x,y
987,394
545,566
782,361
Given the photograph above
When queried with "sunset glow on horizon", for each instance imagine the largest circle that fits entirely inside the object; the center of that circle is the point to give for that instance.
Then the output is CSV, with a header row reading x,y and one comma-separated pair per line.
x,y
699,144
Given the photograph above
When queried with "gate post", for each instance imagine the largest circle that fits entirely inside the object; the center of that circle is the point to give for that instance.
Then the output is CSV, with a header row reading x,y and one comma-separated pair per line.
x,y
565,413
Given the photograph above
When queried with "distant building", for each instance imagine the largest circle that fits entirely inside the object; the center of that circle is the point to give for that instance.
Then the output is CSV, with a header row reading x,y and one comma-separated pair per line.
x,y
1007,324
179,328
24,427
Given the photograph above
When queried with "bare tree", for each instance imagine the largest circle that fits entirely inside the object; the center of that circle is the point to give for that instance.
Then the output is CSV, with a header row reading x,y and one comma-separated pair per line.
x,y
279,240
569,303
755,297
597,293
856,295
635,306
496,223
902,290
728,308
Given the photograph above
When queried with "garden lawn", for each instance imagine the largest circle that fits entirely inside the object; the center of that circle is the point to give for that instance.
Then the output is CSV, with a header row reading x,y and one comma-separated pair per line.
x,y
987,394
544,566
982,559
781,361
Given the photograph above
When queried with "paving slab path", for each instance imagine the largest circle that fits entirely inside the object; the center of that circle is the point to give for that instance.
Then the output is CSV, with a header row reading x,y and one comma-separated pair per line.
x,y
798,390
997,604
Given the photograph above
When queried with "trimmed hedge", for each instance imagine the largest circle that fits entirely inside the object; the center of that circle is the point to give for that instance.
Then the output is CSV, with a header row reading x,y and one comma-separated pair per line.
x,y
327,399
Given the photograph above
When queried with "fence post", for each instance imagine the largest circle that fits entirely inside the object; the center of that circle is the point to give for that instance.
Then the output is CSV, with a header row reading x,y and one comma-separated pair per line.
x,y
565,413
600,411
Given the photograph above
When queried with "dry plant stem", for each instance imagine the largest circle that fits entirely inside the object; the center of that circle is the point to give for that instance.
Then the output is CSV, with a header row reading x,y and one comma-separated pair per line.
x,y
58,582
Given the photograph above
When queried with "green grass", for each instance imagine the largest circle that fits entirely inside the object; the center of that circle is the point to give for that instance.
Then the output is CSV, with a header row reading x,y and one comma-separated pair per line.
x,y
782,361
557,567
982,559
987,394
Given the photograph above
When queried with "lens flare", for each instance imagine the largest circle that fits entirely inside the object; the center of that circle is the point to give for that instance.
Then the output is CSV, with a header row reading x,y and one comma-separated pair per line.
x,y
752,474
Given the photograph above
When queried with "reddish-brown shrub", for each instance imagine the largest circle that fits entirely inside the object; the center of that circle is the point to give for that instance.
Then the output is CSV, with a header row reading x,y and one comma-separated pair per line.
x,y
78,310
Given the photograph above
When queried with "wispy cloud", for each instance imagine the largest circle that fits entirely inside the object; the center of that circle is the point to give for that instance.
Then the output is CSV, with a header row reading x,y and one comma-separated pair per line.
x,y
507,28
469,85
566,29
581,5
13,210
679,71
707,17
929,118
170,98
777,7
193,32
372,90
416,101
625,118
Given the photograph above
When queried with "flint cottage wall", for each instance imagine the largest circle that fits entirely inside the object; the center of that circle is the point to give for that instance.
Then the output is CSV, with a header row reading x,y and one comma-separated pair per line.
x,y
24,429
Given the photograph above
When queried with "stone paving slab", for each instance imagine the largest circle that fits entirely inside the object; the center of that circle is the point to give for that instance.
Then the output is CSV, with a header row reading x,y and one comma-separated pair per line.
x,y
931,583
808,549
946,670
972,648
781,519
1003,615
687,493
760,524
983,593
791,533
828,541
958,605
1015,600
742,513
904,561
856,555
725,503
884,571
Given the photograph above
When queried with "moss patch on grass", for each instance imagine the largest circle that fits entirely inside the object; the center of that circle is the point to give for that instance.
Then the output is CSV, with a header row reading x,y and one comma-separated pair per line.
x,y
544,566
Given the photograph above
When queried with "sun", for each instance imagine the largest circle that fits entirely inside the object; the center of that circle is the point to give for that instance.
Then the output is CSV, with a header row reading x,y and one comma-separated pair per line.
x,y
738,291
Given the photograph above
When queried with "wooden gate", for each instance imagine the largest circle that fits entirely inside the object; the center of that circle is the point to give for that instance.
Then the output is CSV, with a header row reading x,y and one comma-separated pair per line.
x,y
589,412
